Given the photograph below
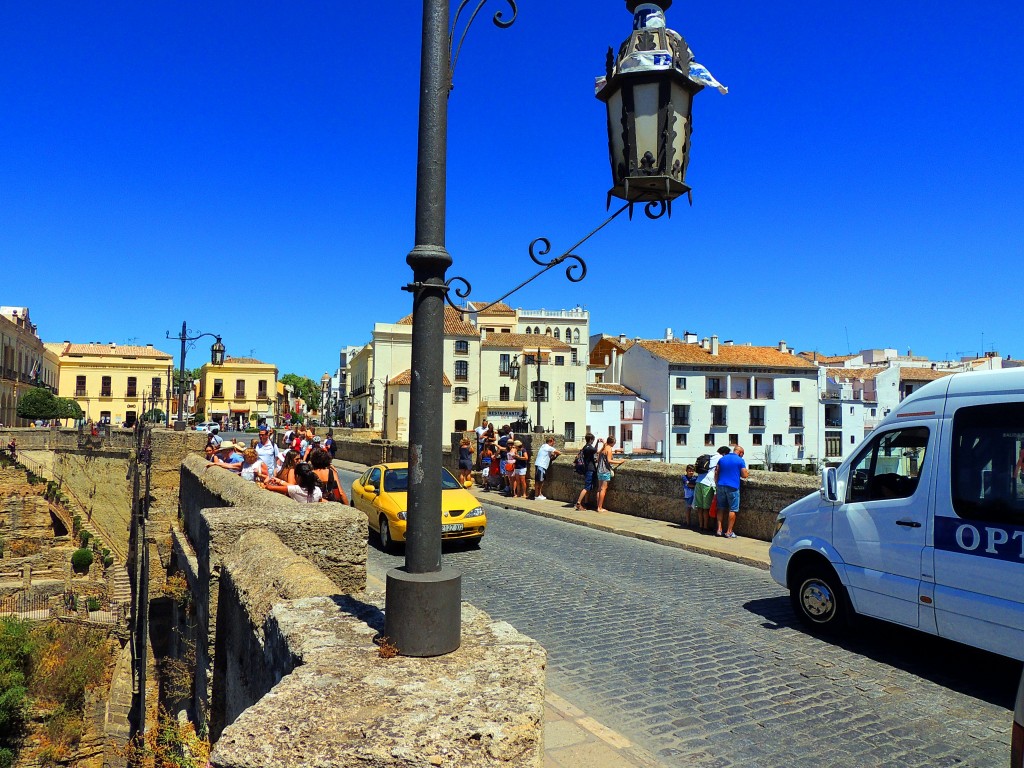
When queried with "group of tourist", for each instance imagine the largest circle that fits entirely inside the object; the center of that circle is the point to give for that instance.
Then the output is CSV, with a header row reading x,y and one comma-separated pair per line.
x,y
711,489
503,460
304,471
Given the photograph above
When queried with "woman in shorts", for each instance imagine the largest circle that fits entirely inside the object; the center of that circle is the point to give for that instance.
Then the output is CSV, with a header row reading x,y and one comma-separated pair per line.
x,y
465,461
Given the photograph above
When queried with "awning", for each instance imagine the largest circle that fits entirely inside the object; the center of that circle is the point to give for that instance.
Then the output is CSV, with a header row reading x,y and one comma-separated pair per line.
x,y
239,410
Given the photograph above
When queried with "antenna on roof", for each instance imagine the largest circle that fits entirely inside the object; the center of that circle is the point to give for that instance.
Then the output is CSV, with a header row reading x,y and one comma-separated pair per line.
x,y
847,329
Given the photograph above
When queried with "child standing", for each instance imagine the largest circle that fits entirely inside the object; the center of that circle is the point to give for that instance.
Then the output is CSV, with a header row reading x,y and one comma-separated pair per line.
x,y
689,488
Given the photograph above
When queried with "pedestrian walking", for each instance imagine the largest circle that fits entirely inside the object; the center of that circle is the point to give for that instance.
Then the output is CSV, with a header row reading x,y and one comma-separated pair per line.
x,y
541,464
731,468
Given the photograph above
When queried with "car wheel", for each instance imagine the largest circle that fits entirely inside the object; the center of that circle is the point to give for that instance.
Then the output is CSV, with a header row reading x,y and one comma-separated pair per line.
x,y
819,599
385,535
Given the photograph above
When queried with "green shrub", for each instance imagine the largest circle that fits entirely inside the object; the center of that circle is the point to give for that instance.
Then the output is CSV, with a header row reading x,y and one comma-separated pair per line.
x,y
105,552
77,522
81,559
16,647
108,561
84,536
92,603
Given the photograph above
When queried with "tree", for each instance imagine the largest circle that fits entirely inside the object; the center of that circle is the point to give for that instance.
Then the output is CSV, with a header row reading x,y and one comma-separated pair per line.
x,y
155,415
69,409
38,403
305,388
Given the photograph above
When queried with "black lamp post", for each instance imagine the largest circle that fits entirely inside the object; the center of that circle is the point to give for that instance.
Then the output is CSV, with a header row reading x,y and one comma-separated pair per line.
x,y
216,357
644,88
325,398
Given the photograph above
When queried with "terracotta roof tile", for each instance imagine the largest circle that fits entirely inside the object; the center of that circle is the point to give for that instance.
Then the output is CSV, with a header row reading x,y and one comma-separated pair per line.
x,y
106,350
404,379
924,374
500,308
728,356
524,341
854,373
609,389
454,324
244,360
821,359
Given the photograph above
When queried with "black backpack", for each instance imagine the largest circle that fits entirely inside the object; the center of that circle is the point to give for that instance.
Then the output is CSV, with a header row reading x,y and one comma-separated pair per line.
x,y
703,463
579,466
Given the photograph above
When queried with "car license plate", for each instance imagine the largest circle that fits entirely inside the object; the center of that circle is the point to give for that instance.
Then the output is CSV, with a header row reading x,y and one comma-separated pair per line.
x,y
451,527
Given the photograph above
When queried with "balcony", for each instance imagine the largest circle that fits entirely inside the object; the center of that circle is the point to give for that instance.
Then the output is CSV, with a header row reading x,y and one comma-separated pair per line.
x,y
81,393
131,394
796,423
713,393
833,422
680,422
10,373
757,422
106,393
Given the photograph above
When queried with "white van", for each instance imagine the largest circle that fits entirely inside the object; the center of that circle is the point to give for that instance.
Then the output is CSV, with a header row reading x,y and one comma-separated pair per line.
x,y
924,524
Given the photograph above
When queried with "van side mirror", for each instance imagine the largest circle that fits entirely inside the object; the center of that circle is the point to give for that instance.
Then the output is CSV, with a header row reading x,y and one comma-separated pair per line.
x,y
830,485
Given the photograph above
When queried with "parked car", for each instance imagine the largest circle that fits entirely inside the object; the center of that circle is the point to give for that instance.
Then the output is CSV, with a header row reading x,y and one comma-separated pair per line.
x,y
923,524
208,426
1017,739
381,492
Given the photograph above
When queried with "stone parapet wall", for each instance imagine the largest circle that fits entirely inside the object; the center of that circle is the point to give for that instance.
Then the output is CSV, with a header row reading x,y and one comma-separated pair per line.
x,y
44,438
299,680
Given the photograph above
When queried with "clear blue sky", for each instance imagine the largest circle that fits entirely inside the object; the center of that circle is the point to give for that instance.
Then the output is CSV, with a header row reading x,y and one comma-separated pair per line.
x,y
250,168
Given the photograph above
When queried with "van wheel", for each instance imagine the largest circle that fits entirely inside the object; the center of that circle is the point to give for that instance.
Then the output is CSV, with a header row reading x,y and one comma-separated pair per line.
x,y
818,598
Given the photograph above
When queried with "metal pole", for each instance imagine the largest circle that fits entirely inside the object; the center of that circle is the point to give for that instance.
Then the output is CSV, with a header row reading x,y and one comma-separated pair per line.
x,y
423,607
538,387
180,423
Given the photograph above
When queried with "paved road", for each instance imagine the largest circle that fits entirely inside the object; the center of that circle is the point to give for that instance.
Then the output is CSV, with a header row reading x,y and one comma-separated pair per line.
x,y
701,661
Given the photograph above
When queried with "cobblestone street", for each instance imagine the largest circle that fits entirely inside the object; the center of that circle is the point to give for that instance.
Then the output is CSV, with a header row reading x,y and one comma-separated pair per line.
x,y
701,662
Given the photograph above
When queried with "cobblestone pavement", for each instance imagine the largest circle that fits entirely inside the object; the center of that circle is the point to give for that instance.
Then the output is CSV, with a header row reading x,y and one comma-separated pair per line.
x,y
701,661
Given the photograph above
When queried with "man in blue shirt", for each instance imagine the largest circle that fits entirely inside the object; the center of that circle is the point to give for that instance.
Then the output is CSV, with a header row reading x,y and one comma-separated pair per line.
x,y
731,468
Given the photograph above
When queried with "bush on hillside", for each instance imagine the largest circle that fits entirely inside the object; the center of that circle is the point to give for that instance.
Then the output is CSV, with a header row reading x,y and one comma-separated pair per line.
x,y
81,560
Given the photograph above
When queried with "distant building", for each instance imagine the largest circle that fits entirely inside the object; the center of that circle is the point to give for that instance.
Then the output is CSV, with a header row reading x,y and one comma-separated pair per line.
x,y
114,383
238,394
24,363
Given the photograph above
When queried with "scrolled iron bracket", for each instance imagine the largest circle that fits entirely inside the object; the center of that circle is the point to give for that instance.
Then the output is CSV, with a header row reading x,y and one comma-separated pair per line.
x,y
499,21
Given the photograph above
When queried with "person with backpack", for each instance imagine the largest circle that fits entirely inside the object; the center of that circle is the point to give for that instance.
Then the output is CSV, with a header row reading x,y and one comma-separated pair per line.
x,y
689,491
703,492
589,458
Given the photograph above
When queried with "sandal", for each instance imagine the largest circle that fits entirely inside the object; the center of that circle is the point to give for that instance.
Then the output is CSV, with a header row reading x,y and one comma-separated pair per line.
x,y
579,507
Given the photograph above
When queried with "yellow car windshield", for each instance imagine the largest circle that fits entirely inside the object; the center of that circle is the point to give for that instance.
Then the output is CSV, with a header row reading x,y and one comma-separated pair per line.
x,y
397,481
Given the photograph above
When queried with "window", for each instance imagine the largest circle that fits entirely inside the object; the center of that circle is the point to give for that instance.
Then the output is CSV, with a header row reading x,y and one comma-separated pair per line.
x,y
757,415
547,331
764,389
756,439
529,359
155,386
680,382
462,370
460,425
105,387
987,468
261,389
680,415
80,386
460,394
218,388
597,406
798,438
680,438
559,359
240,388
132,387
709,440
570,431
504,361
575,358
713,388
833,444
539,391
575,335
529,330
506,330
796,416
853,440
795,386
536,329
503,395
874,411
558,334
599,377
461,347
570,391
129,418
776,439
888,468
718,415
734,439
851,409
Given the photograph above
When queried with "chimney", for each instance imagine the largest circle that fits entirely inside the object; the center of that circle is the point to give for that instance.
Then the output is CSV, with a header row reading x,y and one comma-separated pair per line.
x,y
622,338
689,338
149,346
727,342
704,343
782,347
668,334
714,344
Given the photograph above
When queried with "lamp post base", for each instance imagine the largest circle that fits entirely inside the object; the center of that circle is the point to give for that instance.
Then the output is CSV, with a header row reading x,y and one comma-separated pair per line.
x,y
180,426
423,611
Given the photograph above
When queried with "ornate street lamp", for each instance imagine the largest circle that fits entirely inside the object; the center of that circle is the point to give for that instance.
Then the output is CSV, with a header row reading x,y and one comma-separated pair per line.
x,y
423,605
649,94
325,396
216,357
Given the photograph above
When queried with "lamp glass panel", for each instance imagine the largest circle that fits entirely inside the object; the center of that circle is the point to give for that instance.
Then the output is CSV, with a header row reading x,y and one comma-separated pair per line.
x,y
615,132
645,100
682,101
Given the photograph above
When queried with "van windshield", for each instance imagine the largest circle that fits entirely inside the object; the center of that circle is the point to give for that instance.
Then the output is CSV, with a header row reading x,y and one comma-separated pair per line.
x,y
988,463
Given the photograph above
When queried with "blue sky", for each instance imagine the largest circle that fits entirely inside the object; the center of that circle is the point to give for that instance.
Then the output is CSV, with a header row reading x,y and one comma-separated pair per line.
x,y
250,168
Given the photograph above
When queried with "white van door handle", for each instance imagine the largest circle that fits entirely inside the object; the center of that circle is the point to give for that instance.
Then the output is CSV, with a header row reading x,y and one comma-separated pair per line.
x,y
909,523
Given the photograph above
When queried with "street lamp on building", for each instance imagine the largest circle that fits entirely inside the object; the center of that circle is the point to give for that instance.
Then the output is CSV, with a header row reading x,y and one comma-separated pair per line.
x,y
423,603
216,357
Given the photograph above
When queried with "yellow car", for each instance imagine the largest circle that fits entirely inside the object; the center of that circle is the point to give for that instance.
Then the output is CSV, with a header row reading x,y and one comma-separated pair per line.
x,y
381,494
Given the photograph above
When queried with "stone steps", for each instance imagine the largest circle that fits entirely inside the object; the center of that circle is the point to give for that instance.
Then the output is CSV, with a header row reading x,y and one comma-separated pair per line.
x,y
120,584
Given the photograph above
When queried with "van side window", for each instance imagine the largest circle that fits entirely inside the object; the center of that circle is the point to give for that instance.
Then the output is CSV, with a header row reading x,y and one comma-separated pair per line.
x,y
988,463
889,467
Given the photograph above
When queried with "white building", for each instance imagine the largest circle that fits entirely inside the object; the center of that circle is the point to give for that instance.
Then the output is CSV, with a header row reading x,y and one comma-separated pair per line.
x,y
705,395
